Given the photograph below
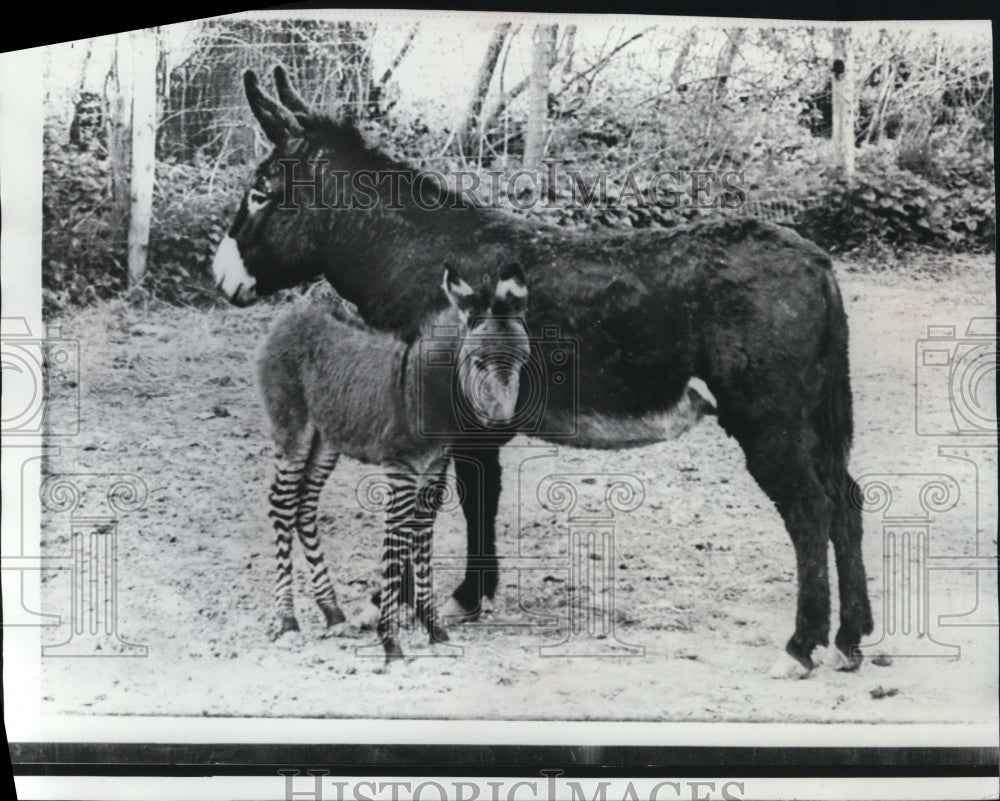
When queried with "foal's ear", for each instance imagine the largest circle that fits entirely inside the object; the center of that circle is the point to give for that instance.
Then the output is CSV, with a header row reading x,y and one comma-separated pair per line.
x,y
512,289
278,122
456,288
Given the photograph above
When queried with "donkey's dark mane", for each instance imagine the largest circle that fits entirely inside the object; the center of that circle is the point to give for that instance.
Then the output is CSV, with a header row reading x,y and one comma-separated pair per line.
x,y
343,137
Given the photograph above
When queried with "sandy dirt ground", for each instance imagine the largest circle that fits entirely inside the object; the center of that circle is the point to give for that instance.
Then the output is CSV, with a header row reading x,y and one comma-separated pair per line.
x,y
700,584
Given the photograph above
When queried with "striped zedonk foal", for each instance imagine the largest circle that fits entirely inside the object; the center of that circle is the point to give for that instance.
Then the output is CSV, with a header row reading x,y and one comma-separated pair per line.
x,y
333,386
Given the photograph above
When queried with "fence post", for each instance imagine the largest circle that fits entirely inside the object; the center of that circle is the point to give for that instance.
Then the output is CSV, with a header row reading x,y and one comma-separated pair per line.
x,y
144,57
118,90
843,99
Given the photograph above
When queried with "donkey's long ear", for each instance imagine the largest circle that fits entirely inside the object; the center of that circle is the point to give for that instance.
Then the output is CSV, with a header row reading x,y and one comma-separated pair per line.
x,y
456,289
512,289
279,123
291,99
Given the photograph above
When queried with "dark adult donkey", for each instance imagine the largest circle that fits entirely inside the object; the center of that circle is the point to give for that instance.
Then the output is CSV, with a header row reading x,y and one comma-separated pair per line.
x,y
750,308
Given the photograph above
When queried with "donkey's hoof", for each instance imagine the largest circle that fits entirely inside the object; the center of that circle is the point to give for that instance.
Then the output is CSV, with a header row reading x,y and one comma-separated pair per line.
x,y
454,612
701,398
438,634
841,661
788,667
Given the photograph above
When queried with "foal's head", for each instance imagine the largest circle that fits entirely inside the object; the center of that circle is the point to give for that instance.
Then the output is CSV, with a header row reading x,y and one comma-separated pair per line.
x,y
493,344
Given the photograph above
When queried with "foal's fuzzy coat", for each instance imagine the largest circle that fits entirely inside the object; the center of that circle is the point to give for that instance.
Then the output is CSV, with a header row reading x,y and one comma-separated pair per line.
x,y
322,376
334,386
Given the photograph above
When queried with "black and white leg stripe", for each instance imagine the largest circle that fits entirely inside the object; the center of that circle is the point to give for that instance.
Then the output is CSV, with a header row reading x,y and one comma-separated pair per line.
x,y
409,528
284,504
395,551
321,464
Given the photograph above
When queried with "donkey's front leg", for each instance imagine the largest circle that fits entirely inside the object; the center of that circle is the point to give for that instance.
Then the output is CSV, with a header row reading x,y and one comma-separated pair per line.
x,y
478,473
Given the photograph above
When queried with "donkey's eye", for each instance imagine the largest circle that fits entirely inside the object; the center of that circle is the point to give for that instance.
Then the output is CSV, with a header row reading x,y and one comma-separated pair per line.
x,y
256,199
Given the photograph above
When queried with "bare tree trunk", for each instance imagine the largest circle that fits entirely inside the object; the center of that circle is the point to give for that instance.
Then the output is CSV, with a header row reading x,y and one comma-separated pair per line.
x,y
725,64
682,57
720,84
844,100
484,77
143,152
544,41
118,90
876,127
400,55
568,43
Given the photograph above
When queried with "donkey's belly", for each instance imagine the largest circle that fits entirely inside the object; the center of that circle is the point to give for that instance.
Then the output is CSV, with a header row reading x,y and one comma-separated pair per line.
x,y
607,431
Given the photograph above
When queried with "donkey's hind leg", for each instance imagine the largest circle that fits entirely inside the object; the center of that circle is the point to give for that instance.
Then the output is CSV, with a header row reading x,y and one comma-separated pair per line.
x,y
855,609
784,463
321,462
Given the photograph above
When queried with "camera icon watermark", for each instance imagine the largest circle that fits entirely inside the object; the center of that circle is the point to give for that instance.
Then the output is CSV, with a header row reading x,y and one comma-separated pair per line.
x,y
41,381
956,387
548,380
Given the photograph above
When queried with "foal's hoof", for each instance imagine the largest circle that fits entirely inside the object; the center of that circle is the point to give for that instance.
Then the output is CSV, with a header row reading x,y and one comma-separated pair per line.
x,y
788,667
287,632
366,619
290,641
333,615
393,656
342,629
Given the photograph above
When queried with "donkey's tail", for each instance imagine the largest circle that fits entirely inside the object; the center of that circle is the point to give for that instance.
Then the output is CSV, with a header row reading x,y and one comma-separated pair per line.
x,y
837,415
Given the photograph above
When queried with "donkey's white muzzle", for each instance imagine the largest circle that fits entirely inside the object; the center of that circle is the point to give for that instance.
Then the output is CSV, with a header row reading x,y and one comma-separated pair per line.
x,y
231,276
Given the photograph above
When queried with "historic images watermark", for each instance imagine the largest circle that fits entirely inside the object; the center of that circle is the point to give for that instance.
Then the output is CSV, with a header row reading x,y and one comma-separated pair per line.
x,y
551,784
522,189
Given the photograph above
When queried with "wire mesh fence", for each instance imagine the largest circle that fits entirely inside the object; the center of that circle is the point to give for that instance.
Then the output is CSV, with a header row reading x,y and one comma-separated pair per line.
x,y
626,103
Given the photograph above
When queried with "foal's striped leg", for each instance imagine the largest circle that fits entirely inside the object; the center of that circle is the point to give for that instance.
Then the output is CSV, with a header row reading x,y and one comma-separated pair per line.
x,y
284,505
431,493
395,554
321,463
